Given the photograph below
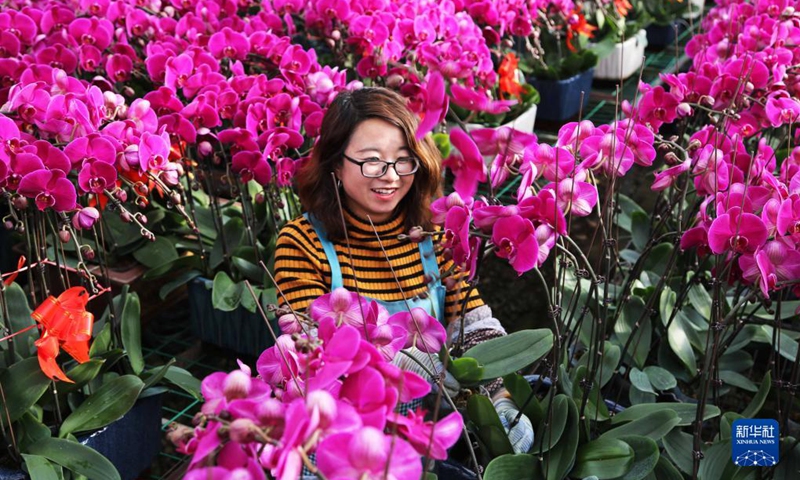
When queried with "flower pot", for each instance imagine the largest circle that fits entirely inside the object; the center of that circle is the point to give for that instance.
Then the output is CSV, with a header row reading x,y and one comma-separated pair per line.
x,y
238,330
523,122
625,60
662,36
561,99
131,443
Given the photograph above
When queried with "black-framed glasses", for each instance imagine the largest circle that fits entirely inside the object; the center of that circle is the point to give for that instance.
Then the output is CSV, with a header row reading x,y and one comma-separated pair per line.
x,y
374,167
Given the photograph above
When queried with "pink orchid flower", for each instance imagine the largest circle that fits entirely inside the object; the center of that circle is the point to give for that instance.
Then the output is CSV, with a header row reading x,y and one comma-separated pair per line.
x,y
788,219
775,262
436,104
442,205
251,166
736,231
367,454
97,176
782,111
514,240
153,151
429,439
424,331
607,151
575,197
228,43
572,135
466,163
478,102
341,305
50,189
667,177
456,234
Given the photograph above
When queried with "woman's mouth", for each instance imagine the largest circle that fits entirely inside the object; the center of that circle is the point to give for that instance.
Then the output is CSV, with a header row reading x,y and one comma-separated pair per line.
x,y
384,192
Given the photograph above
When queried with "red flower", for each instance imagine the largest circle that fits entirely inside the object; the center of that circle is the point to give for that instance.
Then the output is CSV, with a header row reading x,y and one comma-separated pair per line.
x,y
577,24
508,76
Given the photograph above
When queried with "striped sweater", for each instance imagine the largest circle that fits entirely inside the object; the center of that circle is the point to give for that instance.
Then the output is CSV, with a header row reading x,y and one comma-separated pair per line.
x,y
303,273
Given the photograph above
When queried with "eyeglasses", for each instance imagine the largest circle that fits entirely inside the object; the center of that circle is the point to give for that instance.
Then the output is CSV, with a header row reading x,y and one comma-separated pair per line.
x,y
374,168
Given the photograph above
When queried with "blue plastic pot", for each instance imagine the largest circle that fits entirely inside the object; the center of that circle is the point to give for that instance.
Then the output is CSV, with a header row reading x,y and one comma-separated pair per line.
x,y
131,443
662,36
239,330
561,99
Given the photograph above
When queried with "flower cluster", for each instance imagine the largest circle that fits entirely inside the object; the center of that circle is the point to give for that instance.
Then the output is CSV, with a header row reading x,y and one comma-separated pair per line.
x,y
743,76
118,96
327,387
555,181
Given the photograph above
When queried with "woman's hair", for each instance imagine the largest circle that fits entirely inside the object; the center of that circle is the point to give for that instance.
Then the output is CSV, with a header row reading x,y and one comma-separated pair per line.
x,y
315,184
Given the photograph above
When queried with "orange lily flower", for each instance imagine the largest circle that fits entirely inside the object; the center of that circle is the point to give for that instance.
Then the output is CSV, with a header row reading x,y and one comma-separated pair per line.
x,y
508,76
65,324
577,24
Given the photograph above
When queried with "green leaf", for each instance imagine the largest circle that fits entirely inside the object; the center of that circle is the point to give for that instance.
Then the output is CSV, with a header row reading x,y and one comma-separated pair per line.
x,y
156,253
29,430
679,446
19,315
726,423
108,404
481,412
665,470
666,305
40,468
466,370
75,457
686,412
788,346
184,380
700,300
603,458
101,342
759,398
627,208
509,353
82,374
646,454
660,378
154,375
226,295
561,458
513,467
679,342
716,458
640,229
550,435
521,392
626,326
23,385
654,426
186,261
132,330
177,282
640,380
442,141
658,258
790,460
737,380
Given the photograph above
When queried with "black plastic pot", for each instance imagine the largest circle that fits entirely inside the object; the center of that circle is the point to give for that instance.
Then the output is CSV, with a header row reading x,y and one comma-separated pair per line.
x,y
131,443
239,330
663,36
561,99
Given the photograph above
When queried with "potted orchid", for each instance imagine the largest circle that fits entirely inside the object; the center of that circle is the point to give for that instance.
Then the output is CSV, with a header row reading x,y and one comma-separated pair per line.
x,y
620,39
665,16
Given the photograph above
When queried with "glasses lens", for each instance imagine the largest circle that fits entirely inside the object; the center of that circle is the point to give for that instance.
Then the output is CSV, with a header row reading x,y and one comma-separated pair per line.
x,y
406,165
373,168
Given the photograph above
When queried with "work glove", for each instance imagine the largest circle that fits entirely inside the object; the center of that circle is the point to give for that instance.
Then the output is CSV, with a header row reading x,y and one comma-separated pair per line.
x,y
432,364
520,434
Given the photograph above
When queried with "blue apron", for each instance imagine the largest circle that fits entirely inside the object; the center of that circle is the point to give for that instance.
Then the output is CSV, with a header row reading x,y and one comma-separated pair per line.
x,y
433,304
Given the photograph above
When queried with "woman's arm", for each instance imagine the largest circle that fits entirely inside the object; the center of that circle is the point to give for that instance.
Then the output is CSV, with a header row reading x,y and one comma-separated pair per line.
x,y
300,271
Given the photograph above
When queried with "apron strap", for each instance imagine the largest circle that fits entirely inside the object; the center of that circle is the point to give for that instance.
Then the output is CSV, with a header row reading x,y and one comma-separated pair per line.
x,y
330,251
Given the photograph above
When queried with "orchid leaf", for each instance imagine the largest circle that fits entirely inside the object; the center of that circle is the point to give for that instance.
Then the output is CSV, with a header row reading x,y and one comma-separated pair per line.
x,y
700,300
109,403
603,458
132,330
654,426
737,380
39,467
78,458
466,370
509,353
19,314
759,398
226,295
179,281
522,394
678,445
665,470
627,208
513,467
561,458
23,385
660,378
645,457
154,375
640,230
640,380
686,412
658,258
639,346
184,380
552,434
101,342
155,253
715,460
481,412
680,344
82,374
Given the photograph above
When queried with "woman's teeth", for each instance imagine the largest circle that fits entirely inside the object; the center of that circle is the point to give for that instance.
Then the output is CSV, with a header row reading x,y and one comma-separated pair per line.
x,y
384,191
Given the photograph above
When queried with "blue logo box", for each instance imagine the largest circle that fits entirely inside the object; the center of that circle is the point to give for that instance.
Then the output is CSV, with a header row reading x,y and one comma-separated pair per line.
x,y
755,442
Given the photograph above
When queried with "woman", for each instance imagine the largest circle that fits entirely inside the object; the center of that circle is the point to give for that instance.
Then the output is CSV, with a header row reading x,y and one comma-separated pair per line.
x,y
385,180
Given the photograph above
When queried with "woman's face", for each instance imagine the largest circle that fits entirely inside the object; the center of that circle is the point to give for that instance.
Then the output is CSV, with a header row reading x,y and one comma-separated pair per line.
x,y
375,139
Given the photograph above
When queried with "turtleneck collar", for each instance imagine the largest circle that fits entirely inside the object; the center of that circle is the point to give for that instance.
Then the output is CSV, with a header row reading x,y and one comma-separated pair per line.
x,y
358,227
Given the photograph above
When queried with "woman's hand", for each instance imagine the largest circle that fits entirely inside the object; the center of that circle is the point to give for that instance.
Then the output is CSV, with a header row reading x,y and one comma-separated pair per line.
x,y
427,366
517,425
